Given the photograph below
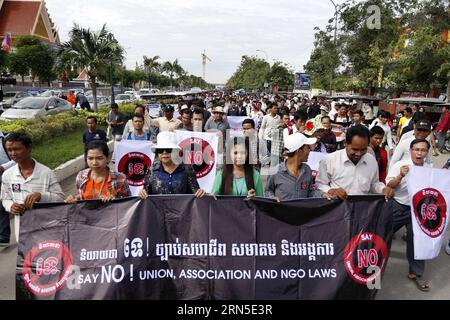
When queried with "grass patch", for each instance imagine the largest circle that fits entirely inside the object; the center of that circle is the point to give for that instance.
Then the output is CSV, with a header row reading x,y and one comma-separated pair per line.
x,y
60,149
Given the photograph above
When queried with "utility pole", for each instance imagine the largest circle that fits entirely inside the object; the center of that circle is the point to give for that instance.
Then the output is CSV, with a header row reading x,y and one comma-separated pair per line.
x,y
335,31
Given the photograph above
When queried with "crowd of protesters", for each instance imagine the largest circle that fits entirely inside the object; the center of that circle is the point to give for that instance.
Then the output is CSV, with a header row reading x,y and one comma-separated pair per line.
x,y
363,154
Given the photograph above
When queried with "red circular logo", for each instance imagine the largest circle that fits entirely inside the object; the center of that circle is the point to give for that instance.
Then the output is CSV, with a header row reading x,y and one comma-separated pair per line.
x,y
134,165
46,267
199,154
430,210
363,252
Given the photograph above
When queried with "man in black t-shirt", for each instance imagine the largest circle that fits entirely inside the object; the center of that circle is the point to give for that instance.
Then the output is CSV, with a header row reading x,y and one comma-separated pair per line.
x,y
92,133
116,122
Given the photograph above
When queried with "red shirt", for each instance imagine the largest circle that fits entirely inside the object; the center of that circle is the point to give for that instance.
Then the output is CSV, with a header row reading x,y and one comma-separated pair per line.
x,y
382,159
444,122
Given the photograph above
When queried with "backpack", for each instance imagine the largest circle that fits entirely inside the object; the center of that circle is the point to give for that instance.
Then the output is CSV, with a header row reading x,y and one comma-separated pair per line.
x,y
147,135
336,115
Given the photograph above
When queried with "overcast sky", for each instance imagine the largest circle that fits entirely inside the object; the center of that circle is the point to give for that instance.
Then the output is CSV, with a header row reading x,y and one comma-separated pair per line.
x,y
182,29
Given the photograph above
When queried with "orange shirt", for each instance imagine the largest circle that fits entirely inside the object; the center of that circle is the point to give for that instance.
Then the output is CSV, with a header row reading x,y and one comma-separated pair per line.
x,y
94,188
71,98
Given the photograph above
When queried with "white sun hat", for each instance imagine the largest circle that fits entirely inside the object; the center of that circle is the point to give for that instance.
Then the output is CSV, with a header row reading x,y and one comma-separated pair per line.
x,y
297,140
166,140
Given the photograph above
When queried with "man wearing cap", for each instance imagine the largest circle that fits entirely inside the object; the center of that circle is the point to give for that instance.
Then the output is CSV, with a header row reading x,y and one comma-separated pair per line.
x,y
168,122
294,180
422,130
351,170
168,175
217,123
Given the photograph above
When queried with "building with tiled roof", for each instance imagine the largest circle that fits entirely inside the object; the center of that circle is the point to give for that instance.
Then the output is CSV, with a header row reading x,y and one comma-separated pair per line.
x,y
21,18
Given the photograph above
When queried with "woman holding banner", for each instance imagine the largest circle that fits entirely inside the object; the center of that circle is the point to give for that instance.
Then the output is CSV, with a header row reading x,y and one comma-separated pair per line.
x,y
98,181
238,177
168,175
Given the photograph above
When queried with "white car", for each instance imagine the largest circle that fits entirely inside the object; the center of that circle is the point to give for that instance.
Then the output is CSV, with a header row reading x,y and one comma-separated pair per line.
x,y
123,98
132,94
36,106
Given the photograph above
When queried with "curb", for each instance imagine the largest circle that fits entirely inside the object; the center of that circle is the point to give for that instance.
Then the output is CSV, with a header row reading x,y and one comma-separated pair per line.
x,y
73,166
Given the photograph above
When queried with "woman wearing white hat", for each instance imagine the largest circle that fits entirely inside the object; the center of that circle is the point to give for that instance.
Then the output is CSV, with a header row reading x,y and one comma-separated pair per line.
x,y
168,175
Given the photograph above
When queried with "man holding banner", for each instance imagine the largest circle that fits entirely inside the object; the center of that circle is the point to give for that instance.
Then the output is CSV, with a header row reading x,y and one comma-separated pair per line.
x,y
294,180
401,206
351,170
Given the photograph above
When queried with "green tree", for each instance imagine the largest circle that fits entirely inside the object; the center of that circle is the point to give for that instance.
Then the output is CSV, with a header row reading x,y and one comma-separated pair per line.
x,y
282,75
425,62
18,64
34,57
173,69
151,66
92,51
3,60
324,59
371,57
128,78
252,73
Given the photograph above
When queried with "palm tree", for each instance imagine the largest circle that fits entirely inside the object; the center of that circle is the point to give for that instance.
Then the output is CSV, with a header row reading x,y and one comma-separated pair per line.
x,y
91,51
172,69
151,65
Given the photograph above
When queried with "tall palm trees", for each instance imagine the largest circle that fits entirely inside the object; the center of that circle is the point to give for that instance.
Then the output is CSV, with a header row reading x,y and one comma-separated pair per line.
x,y
92,51
151,65
173,68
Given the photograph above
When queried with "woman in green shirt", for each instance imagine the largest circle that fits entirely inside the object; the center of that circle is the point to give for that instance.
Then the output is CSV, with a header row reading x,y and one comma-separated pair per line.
x,y
238,178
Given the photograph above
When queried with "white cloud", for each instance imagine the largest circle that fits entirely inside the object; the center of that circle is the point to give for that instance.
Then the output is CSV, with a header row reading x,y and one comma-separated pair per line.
x,y
184,28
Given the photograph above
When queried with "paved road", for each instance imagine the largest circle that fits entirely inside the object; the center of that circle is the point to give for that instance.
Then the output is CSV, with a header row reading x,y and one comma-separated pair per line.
x,y
395,284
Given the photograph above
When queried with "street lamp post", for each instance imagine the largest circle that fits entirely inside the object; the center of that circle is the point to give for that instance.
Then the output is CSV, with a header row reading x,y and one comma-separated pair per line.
x,y
335,31
267,60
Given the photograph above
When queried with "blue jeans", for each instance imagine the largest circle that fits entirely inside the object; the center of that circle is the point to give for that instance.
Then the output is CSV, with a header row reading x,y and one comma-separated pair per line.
x,y
5,230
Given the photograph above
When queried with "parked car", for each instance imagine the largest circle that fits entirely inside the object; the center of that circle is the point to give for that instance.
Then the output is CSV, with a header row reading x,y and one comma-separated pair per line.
x,y
54,93
11,98
123,98
133,94
34,107
101,101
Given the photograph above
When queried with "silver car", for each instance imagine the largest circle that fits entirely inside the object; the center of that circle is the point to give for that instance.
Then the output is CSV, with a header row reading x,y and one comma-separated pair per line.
x,y
36,107
11,98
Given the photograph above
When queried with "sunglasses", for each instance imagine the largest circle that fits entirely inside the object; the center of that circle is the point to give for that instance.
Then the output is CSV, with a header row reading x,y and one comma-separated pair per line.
x,y
163,150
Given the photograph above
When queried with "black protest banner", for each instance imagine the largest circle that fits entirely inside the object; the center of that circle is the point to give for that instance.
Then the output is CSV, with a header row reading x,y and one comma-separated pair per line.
x,y
180,247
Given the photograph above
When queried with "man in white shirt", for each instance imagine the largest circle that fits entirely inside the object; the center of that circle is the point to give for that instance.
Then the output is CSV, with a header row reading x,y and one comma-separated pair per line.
x,y
168,122
351,171
28,181
401,206
269,122
5,163
139,109
422,130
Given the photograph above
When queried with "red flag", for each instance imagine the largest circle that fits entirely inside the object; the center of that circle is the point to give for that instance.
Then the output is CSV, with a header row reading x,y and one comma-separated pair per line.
x,y
6,44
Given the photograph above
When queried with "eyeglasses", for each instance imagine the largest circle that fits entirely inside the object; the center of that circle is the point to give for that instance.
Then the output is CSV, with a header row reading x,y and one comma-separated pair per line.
x,y
164,150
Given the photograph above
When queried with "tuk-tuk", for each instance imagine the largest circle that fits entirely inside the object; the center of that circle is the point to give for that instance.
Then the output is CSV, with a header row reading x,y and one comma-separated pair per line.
x,y
394,106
